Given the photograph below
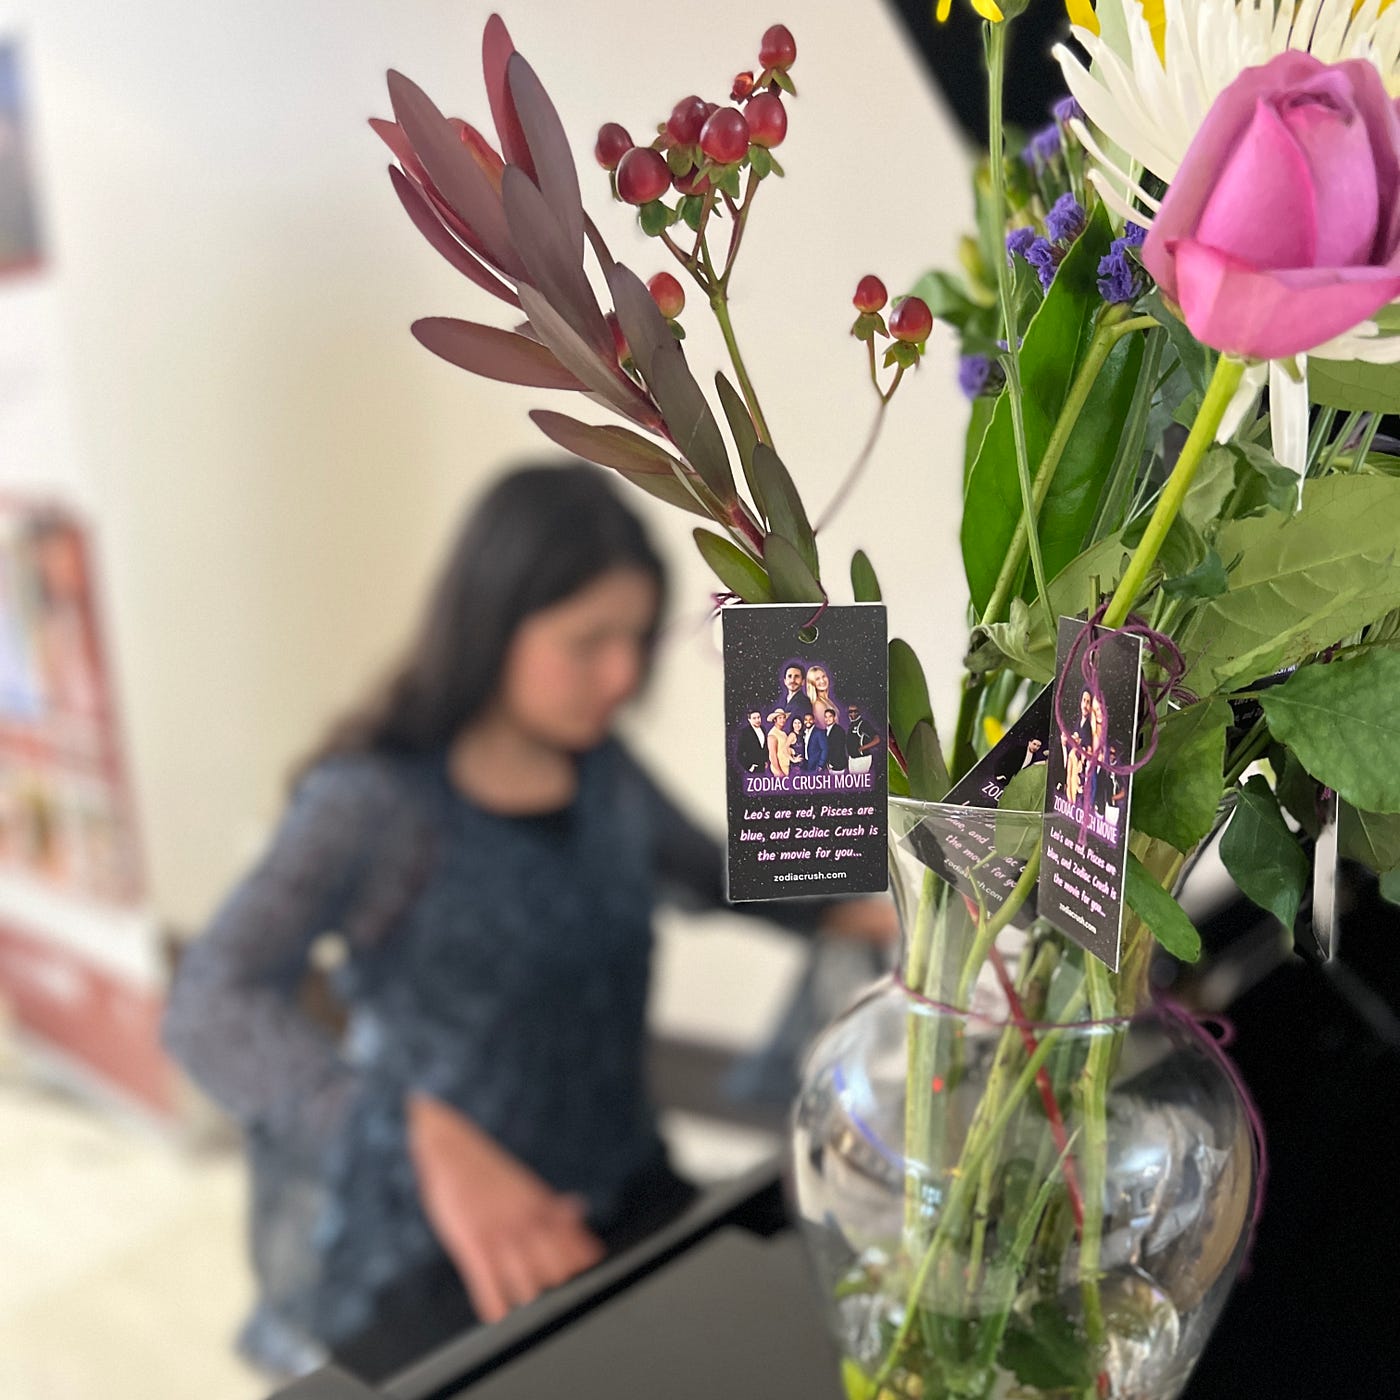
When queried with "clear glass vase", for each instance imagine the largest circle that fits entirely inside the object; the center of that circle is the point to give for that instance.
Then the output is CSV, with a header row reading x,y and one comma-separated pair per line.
x,y
1016,1179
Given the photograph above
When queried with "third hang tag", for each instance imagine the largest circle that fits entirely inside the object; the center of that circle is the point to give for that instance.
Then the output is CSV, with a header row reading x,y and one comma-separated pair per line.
x,y
1088,795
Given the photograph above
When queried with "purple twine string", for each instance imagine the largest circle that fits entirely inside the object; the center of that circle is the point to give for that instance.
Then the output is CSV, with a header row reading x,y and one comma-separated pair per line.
x,y
1161,651
1199,1028
1020,1022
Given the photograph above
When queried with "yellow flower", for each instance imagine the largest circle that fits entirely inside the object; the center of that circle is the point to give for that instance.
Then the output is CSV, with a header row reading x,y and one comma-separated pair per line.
x,y
992,730
1081,13
986,8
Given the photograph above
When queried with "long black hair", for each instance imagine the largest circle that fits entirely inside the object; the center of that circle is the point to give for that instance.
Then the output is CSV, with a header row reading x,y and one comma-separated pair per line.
x,y
538,536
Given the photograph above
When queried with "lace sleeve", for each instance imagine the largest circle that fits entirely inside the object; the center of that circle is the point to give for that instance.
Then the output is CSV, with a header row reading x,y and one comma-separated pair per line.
x,y
233,1020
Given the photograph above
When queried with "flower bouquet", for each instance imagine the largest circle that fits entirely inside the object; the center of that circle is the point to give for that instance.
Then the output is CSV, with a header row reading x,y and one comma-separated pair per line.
x,y
1178,317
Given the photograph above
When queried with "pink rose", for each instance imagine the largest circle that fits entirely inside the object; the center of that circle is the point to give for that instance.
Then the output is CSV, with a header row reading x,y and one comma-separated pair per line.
x,y
1282,227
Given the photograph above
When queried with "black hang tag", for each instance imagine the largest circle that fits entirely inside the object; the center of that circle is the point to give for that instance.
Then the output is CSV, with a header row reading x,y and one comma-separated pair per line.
x,y
1084,853
952,846
806,811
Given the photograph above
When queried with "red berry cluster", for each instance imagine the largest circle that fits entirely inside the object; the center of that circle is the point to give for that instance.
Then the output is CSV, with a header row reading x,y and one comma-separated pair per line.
x,y
909,326
700,150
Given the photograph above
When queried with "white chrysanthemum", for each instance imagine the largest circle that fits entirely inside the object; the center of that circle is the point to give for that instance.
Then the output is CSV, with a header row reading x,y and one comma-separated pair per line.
x,y
1146,108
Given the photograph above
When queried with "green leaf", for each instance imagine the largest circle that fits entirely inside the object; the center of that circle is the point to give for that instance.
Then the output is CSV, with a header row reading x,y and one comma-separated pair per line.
x,y
1300,583
909,702
787,516
761,161
735,570
1016,836
654,218
745,435
692,209
1025,640
977,423
1373,838
1296,789
1262,483
1021,641
1354,384
1263,855
899,783
1343,723
1390,886
1160,913
857,1384
1207,580
928,774
1176,796
1046,1351
792,580
1237,481
865,587
1194,358
1055,342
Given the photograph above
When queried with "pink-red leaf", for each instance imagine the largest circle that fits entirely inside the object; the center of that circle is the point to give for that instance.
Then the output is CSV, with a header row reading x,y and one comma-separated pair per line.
x,y
661,363
493,353
552,266
581,360
554,169
496,49
461,182
430,226
606,444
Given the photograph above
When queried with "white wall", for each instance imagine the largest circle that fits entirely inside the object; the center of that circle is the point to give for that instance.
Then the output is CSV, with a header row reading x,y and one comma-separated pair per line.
x,y
275,462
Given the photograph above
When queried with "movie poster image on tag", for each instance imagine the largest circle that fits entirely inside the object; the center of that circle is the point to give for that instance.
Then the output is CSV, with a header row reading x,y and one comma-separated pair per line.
x,y
964,851
805,749
1084,853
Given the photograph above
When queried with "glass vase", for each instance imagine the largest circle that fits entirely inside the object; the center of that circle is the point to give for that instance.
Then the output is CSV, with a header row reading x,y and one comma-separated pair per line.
x,y
1017,1176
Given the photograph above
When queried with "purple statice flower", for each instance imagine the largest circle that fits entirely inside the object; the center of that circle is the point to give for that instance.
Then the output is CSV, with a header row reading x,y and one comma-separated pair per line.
x,y
1065,221
1067,110
1133,235
1119,278
1018,240
973,373
1045,257
1043,147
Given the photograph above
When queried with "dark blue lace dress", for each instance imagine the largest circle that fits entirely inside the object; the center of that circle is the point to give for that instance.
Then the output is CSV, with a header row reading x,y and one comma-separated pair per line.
x,y
499,964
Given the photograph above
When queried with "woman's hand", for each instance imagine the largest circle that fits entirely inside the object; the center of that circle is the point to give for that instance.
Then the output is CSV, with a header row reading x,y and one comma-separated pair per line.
x,y
510,1236
871,920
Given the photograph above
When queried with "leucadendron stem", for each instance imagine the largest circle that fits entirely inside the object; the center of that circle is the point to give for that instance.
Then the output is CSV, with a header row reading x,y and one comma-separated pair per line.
x,y
1223,383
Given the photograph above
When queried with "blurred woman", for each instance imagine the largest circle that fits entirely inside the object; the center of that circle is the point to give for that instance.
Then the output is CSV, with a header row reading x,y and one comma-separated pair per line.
x,y
488,855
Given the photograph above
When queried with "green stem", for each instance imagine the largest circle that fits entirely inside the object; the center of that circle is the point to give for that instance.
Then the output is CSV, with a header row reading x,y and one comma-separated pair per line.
x,y
995,38
964,754
1092,1092
1254,743
988,928
1223,383
1111,329
719,304
957,1205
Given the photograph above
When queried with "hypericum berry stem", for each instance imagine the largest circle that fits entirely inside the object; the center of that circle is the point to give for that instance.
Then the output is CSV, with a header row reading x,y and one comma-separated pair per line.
x,y
862,461
741,217
719,304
